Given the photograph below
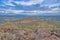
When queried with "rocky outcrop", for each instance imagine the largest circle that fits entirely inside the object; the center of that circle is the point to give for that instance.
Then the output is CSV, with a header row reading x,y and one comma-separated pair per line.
x,y
28,34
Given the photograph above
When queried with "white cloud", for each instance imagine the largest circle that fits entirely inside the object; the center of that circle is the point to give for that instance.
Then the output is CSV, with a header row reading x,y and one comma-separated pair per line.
x,y
51,5
54,5
34,12
24,3
31,2
56,9
8,3
11,11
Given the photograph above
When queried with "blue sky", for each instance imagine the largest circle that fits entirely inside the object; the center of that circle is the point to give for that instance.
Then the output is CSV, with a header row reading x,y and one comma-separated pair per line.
x,y
29,7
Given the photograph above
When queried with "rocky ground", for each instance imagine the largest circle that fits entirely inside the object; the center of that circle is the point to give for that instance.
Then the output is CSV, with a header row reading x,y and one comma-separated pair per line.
x,y
28,34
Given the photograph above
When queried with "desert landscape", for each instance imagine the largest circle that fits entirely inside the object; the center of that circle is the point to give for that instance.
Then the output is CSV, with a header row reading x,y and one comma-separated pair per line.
x,y
29,28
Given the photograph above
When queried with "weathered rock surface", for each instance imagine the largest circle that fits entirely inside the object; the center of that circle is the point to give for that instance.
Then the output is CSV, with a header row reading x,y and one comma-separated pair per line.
x,y
28,34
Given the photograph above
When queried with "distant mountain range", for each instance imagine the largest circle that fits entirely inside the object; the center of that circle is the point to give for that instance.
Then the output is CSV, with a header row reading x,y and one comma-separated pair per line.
x,y
43,14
